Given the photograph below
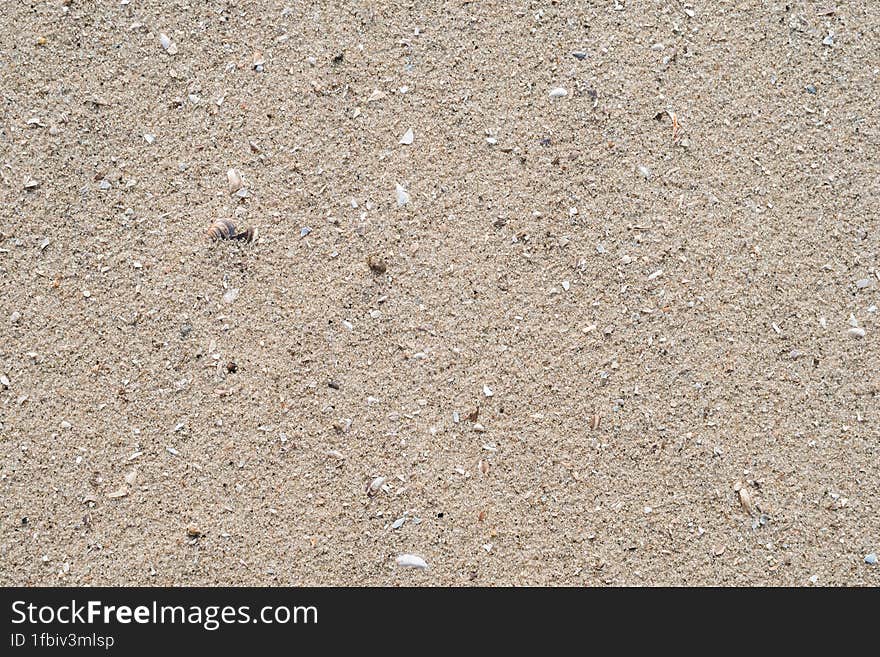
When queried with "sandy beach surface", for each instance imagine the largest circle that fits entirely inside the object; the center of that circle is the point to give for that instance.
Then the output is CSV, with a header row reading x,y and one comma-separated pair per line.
x,y
607,315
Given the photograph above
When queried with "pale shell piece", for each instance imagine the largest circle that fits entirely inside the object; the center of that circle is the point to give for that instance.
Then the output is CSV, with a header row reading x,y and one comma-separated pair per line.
x,y
122,492
235,181
745,499
558,92
167,44
411,561
487,391
407,138
402,195
375,486
131,477
856,332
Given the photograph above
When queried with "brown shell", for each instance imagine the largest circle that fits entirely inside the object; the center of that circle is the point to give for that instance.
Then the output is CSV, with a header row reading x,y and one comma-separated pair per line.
x,y
247,236
221,229
224,229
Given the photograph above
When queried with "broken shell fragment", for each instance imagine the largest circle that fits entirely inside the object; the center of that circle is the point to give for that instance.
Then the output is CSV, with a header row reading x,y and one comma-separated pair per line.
x,y
167,44
745,499
235,180
411,561
402,195
375,486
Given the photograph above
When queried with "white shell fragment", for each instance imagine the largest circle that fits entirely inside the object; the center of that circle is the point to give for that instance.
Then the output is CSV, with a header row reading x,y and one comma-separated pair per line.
x,y
167,44
558,92
407,138
411,561
375,486
487,391
745,499
402,196
235,181
856,332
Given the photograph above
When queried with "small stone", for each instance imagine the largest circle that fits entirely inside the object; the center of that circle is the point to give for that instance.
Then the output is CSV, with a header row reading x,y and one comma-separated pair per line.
x,y
862,283
231,295
86,294
828,40
397,524
558,92
814,579
305,230
810,89
377,265
411,561
407,138
487,391
871,559
15,316
4,381
579,54
149,138
645,171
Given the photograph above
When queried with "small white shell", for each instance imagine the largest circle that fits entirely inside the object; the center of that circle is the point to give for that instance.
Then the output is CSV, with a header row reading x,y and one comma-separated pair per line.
x,y
558,92
407,138
375,486
487,391
167,44
856,332
402,195
411,561
235,181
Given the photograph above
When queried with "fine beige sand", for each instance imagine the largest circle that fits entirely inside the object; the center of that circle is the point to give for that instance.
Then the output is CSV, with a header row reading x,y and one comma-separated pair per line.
x,y
659,291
